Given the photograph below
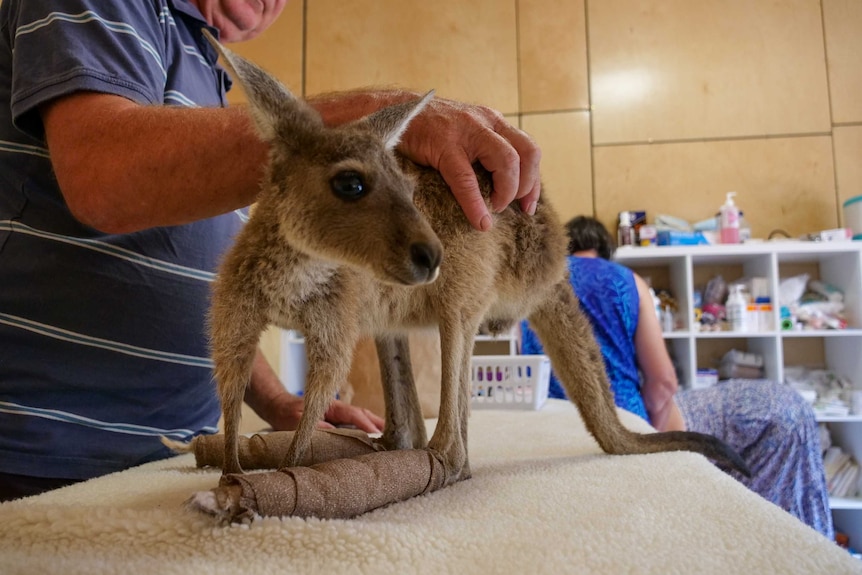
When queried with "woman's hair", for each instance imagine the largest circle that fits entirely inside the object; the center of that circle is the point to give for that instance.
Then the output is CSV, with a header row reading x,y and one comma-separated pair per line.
x,y
586,233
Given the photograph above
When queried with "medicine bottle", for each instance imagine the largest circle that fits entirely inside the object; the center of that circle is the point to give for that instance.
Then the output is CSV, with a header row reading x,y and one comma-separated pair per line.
x,y
736,309
729,221
625,231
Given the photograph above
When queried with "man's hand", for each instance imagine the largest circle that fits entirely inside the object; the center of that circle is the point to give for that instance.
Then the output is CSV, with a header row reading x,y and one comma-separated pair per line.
x,y
450,136
286,409
282,410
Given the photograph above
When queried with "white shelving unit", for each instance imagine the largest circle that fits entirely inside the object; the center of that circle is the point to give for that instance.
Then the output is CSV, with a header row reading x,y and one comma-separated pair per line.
x,y
683,269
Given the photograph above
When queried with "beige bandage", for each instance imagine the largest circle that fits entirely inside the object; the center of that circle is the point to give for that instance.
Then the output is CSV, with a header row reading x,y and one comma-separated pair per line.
x,y
338,489
267,450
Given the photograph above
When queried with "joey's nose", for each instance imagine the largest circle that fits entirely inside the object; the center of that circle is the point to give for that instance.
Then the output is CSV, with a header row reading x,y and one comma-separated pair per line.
x,y
426,260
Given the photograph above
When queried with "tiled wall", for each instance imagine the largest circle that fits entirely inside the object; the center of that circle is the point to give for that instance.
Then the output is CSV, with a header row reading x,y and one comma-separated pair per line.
x,y
660,105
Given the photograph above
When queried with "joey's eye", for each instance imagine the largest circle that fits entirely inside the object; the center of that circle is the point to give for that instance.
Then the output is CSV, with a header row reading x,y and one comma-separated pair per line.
x,y
348,185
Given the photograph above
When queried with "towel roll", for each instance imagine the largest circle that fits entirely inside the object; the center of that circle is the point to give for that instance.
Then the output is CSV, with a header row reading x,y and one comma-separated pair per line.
x,y
267,450
339,489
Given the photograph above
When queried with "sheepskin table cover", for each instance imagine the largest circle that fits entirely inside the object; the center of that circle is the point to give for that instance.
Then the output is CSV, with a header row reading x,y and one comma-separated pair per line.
x,y
542,499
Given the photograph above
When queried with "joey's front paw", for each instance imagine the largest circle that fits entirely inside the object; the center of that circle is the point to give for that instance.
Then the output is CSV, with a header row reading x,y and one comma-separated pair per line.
x,y
224,503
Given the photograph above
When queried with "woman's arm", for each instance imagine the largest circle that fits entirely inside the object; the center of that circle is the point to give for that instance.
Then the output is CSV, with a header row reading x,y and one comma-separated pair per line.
x,y
660,382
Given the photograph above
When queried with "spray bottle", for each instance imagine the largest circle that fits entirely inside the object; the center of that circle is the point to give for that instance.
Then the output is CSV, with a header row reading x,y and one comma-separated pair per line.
x,y
625,231
729,221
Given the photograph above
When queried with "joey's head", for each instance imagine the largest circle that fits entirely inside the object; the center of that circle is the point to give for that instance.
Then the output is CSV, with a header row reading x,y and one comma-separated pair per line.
x,y
339,192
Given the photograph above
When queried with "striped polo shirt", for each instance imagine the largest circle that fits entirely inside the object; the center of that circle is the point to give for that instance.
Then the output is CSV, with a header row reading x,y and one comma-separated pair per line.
x,y
103,343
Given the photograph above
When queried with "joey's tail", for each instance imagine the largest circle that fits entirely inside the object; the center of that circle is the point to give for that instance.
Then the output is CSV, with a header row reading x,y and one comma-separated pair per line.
x,y
568,340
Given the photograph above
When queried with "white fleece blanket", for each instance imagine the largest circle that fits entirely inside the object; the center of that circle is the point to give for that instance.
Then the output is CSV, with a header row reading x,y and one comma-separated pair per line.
x,y
543,499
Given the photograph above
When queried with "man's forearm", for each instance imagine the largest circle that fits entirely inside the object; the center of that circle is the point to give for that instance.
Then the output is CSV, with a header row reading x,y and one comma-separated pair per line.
x,y
161,165
157,165
264,387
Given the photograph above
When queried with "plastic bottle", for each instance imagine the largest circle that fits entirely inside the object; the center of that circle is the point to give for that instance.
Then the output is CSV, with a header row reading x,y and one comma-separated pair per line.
x,y
736,309
656,302
729,221
667,320
625,231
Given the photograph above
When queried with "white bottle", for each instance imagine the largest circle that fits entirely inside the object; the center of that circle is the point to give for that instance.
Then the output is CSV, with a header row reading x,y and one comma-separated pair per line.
x,y
736,309
625,231
729,221
667,320
656,302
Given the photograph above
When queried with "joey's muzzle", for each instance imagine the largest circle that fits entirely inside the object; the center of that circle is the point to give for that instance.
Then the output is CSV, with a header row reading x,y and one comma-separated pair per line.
x,y
425,258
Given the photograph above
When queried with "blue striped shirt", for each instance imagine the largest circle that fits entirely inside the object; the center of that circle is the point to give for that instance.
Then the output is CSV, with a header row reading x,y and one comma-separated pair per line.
x,y
102,337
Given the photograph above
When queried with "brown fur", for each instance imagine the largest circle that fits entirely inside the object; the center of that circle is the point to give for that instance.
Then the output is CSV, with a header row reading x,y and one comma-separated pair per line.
x,y
339,269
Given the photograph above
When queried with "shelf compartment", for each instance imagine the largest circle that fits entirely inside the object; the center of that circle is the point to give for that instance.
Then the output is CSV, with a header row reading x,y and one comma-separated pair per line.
x,y
838,266
837,351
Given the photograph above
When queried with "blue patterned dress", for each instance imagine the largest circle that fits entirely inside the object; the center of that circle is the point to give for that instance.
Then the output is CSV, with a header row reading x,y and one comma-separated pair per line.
x,y
767,423
775,431
607,291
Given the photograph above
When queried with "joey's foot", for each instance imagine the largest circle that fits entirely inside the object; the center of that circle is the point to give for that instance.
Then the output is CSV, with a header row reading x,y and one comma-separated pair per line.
x,y
224,503
466,473
454,469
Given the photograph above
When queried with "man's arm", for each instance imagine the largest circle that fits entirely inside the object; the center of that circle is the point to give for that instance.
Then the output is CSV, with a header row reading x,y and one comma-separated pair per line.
x,y
124,167
281,409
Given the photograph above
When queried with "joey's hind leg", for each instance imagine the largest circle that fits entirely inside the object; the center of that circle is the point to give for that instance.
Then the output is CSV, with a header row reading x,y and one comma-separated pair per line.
x,y
405,427
235,333
233,376
449,441
329,358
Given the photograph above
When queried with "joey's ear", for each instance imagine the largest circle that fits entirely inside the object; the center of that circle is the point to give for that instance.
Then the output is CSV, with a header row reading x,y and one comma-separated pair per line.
x,y
272,104
391,121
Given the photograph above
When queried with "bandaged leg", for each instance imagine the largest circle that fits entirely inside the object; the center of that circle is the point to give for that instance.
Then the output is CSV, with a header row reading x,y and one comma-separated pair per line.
x,y
267,451
338,489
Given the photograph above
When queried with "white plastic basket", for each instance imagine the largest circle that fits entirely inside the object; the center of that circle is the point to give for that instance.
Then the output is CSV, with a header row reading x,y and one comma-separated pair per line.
x,y
510,381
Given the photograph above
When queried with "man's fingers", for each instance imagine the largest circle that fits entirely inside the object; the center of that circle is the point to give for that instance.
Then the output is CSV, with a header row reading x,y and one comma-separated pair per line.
x,y
368,422
530,201
529,156
450,137
359,417
375,419
499,157
513,159
459,174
